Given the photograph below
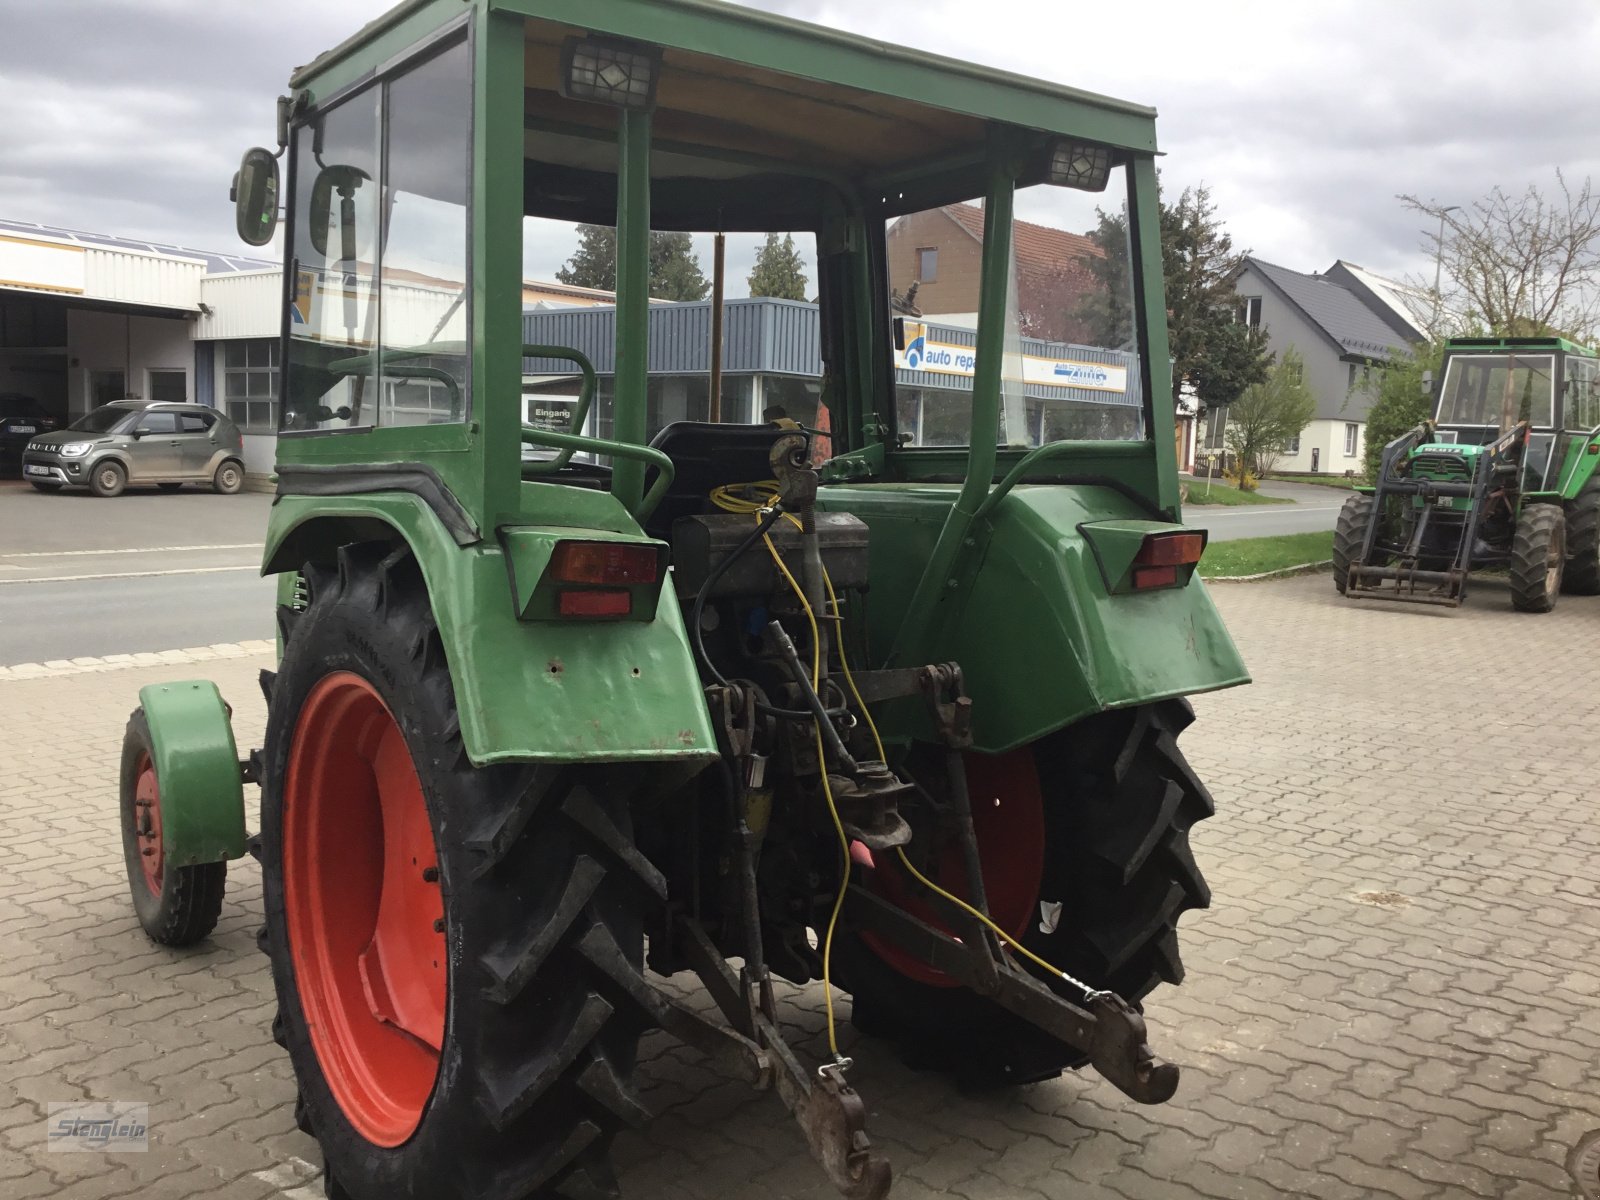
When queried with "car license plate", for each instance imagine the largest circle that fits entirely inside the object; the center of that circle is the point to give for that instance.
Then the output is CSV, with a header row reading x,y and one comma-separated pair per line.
x,y
1444,501
22,429
33,470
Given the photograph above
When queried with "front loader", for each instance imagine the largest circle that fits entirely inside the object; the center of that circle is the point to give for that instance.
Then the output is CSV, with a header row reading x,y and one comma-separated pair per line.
x,y
559,711
1503,475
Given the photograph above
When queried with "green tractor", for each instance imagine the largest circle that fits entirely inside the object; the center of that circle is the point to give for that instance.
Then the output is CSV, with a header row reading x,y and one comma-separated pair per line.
x,y
1503,475
559,711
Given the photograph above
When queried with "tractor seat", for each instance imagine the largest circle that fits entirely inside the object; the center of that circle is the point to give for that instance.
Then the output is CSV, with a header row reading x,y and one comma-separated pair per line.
x,y
707,456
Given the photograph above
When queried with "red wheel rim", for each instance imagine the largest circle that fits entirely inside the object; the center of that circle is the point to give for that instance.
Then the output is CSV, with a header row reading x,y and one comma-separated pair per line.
x,y
147,824
1008,815
365,909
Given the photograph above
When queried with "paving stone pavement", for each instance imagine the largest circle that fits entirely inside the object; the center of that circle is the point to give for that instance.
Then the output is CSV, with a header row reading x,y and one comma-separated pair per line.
x,y
1393,993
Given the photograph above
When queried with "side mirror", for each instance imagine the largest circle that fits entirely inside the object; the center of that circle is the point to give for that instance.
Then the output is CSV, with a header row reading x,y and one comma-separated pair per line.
x,y
346,181
255,196
1427,383
136,434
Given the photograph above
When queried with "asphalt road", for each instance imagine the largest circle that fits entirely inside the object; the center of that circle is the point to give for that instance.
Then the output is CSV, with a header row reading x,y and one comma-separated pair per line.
x,y
152,571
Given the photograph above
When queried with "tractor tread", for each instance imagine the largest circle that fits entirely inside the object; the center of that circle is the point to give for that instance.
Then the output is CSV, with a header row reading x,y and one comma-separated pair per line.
x,y
1538,527
1349,531
510,967
546,905
1582,576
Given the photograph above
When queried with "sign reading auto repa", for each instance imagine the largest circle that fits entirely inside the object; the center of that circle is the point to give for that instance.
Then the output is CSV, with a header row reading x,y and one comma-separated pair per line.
x,y
944,358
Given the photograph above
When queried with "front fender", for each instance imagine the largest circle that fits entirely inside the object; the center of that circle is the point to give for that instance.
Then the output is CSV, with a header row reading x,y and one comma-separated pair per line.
x,y
202,790
526,690
1028,614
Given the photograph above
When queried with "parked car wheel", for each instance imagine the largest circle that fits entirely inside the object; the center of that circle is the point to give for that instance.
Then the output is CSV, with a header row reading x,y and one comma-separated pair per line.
x,y
45,487
229,478
108,479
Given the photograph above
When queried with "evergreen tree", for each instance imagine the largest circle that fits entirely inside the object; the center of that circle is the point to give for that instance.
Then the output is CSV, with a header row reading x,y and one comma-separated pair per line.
x,y
1212,350
674,270
778,270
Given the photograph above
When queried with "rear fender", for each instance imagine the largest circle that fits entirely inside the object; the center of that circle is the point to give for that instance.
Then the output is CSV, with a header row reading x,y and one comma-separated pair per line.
x,y
526,690
197,764
1043,637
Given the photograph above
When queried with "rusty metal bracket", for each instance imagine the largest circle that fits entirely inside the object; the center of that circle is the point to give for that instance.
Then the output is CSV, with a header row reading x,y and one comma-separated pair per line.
x,y
948,703
832,1118
1110,1032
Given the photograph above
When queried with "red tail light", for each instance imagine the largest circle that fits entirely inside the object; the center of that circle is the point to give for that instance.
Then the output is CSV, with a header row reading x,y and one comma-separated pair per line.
x,y
605,564
595,604
1156,565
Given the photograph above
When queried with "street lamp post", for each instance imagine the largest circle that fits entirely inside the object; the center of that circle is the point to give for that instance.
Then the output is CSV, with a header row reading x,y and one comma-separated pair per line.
x,y
1438,265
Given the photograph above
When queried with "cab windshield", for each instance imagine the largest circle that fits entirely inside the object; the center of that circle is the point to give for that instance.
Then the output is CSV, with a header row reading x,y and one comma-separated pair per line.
x,y
101,420
1071,368
1499,390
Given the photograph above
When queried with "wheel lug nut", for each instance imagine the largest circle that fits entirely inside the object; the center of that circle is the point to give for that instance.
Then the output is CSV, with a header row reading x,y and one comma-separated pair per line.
x,y
430,874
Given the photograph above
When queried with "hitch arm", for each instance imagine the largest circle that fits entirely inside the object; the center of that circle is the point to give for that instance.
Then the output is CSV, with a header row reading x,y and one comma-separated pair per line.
x,y
1110,1031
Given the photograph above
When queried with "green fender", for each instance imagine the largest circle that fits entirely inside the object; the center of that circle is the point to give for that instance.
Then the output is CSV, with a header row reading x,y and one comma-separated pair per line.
x,y
197,767
1043,627
526,689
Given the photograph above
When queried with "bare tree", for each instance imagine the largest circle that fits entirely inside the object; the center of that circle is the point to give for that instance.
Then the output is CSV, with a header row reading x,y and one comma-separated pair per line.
x,y
1518,265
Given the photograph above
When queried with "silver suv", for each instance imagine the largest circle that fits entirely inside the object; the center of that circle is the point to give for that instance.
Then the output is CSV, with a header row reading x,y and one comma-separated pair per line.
x,y
139,441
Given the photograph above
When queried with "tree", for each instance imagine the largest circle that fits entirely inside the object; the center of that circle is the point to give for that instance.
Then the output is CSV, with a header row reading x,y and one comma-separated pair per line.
x,y
1269,415
1402,401
1517,266
778,270
1212,350
674,270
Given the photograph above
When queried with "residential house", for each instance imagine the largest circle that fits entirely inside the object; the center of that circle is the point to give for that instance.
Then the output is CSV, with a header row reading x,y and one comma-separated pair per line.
x,y
940,251
1346,330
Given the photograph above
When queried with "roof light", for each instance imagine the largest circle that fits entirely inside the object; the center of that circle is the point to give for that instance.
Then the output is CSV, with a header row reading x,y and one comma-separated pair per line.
x,y
608,71
1080,165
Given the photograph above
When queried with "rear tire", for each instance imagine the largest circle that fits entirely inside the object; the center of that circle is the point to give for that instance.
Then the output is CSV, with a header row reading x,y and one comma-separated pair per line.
x,y
1349,533
108,479
1582,576
1119,801
541,939
229,479
176,906
1538,558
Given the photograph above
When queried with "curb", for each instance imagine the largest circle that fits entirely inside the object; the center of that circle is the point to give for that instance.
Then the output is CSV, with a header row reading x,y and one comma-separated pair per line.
x,y
58,667
1281,571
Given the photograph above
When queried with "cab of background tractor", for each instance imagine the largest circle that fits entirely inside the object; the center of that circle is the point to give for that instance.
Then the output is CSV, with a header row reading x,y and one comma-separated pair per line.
x,y
846,639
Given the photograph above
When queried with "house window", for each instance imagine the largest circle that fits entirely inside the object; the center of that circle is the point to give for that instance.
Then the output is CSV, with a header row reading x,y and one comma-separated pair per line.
x,y
1294,372
1352,434
928,264
250,384
1250,311
1216,428
169,387
1352,386
1292,446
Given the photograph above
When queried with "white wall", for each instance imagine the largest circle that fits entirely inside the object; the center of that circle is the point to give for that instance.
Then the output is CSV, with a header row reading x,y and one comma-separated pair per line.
x,y
1327,437
260,453
104,341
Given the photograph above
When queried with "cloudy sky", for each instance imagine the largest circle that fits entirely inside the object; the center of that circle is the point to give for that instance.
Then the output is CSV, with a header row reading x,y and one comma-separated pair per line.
x,y
128,116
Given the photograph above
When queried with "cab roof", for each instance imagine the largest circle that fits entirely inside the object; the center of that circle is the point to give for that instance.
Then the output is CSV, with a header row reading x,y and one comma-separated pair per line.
x,y
763,43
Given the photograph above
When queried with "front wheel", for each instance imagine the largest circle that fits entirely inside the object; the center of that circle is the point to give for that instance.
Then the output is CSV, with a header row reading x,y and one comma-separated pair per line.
x,y
176,906
1538,558
108,479
1084,843
454,948
1349,535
